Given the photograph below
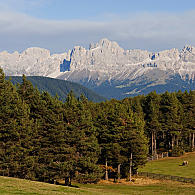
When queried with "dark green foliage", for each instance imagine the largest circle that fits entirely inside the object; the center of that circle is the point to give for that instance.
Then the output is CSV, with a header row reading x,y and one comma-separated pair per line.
x,y
151,107
15,131
121,132
82,137
171,119
45,139
60,87
177,151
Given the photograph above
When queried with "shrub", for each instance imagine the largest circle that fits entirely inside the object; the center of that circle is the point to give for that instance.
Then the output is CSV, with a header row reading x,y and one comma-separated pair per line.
x,y
177,151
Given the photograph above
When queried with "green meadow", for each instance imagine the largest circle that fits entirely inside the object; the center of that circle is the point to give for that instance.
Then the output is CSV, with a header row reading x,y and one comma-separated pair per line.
x,y
19,186
172,166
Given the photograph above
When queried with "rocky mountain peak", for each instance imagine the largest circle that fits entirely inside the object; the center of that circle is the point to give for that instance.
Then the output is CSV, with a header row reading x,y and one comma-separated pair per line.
x,y
4,53
36,51
188,49
105,43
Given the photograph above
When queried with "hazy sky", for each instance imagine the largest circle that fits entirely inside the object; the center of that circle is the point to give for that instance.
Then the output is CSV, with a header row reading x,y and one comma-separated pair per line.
x,y
59,25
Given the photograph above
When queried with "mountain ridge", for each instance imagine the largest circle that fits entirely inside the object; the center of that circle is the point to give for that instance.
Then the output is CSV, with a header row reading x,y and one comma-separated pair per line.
x,y
58,87
106,64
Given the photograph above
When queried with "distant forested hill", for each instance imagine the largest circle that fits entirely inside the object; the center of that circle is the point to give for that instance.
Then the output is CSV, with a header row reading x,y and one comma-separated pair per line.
x,y
59,87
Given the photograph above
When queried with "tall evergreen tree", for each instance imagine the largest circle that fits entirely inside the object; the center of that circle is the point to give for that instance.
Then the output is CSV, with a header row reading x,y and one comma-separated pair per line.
x,y
171,115
15,133
188,119
82,139
151,108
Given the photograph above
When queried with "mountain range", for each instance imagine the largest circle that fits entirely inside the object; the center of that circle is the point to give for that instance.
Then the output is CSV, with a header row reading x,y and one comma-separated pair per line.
x,y
108,69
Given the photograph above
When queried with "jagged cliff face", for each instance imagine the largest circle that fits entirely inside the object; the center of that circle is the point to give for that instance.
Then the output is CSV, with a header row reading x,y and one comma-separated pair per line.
x,y
119,64
106,65
31,62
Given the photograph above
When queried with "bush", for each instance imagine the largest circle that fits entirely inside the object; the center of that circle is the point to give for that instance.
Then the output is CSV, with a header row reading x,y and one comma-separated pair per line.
x,y
89,177
177,151
188,149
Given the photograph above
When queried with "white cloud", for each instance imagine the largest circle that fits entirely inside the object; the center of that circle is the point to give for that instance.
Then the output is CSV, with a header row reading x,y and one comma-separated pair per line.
x,y
23,4
152,31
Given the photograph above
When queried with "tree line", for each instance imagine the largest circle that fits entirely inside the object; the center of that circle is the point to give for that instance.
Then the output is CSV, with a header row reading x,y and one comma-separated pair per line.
x,y
45,139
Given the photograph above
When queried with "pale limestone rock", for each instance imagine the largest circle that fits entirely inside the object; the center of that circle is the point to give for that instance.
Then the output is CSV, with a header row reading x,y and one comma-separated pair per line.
x,y
104,60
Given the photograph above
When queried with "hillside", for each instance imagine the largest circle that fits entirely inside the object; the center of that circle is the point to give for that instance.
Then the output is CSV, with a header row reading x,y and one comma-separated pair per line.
x,y
155,80
59,87
172,166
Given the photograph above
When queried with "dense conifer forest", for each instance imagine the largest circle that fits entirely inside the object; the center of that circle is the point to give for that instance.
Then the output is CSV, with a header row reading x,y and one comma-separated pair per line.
x,y
45,139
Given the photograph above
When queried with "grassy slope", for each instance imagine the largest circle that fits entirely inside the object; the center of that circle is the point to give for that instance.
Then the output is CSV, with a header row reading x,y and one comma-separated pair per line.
x,y
171,166
19,186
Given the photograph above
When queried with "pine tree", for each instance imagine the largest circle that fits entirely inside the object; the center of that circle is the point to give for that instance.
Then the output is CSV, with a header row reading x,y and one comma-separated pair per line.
x,y
188,119
15,131
81,137
171,119
151,107
120,134
50,144
134,140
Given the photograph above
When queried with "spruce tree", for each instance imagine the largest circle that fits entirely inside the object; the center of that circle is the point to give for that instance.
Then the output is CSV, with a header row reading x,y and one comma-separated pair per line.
x,y
15,133
151,106
81,137
171,119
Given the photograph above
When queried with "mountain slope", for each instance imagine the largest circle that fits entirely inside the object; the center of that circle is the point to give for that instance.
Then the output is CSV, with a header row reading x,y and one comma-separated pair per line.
x,y
59,87
160,81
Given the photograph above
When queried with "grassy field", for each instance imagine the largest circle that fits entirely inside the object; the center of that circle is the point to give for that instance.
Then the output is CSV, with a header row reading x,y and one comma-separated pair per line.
x,y
172,166
21,187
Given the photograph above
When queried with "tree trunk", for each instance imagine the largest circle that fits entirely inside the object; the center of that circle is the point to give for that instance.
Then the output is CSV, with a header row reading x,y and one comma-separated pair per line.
x,y
130,167
189,139
192,141
67,181
172,142
155,144
152,144
119,172
106,173
177,141
7,171
70,181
